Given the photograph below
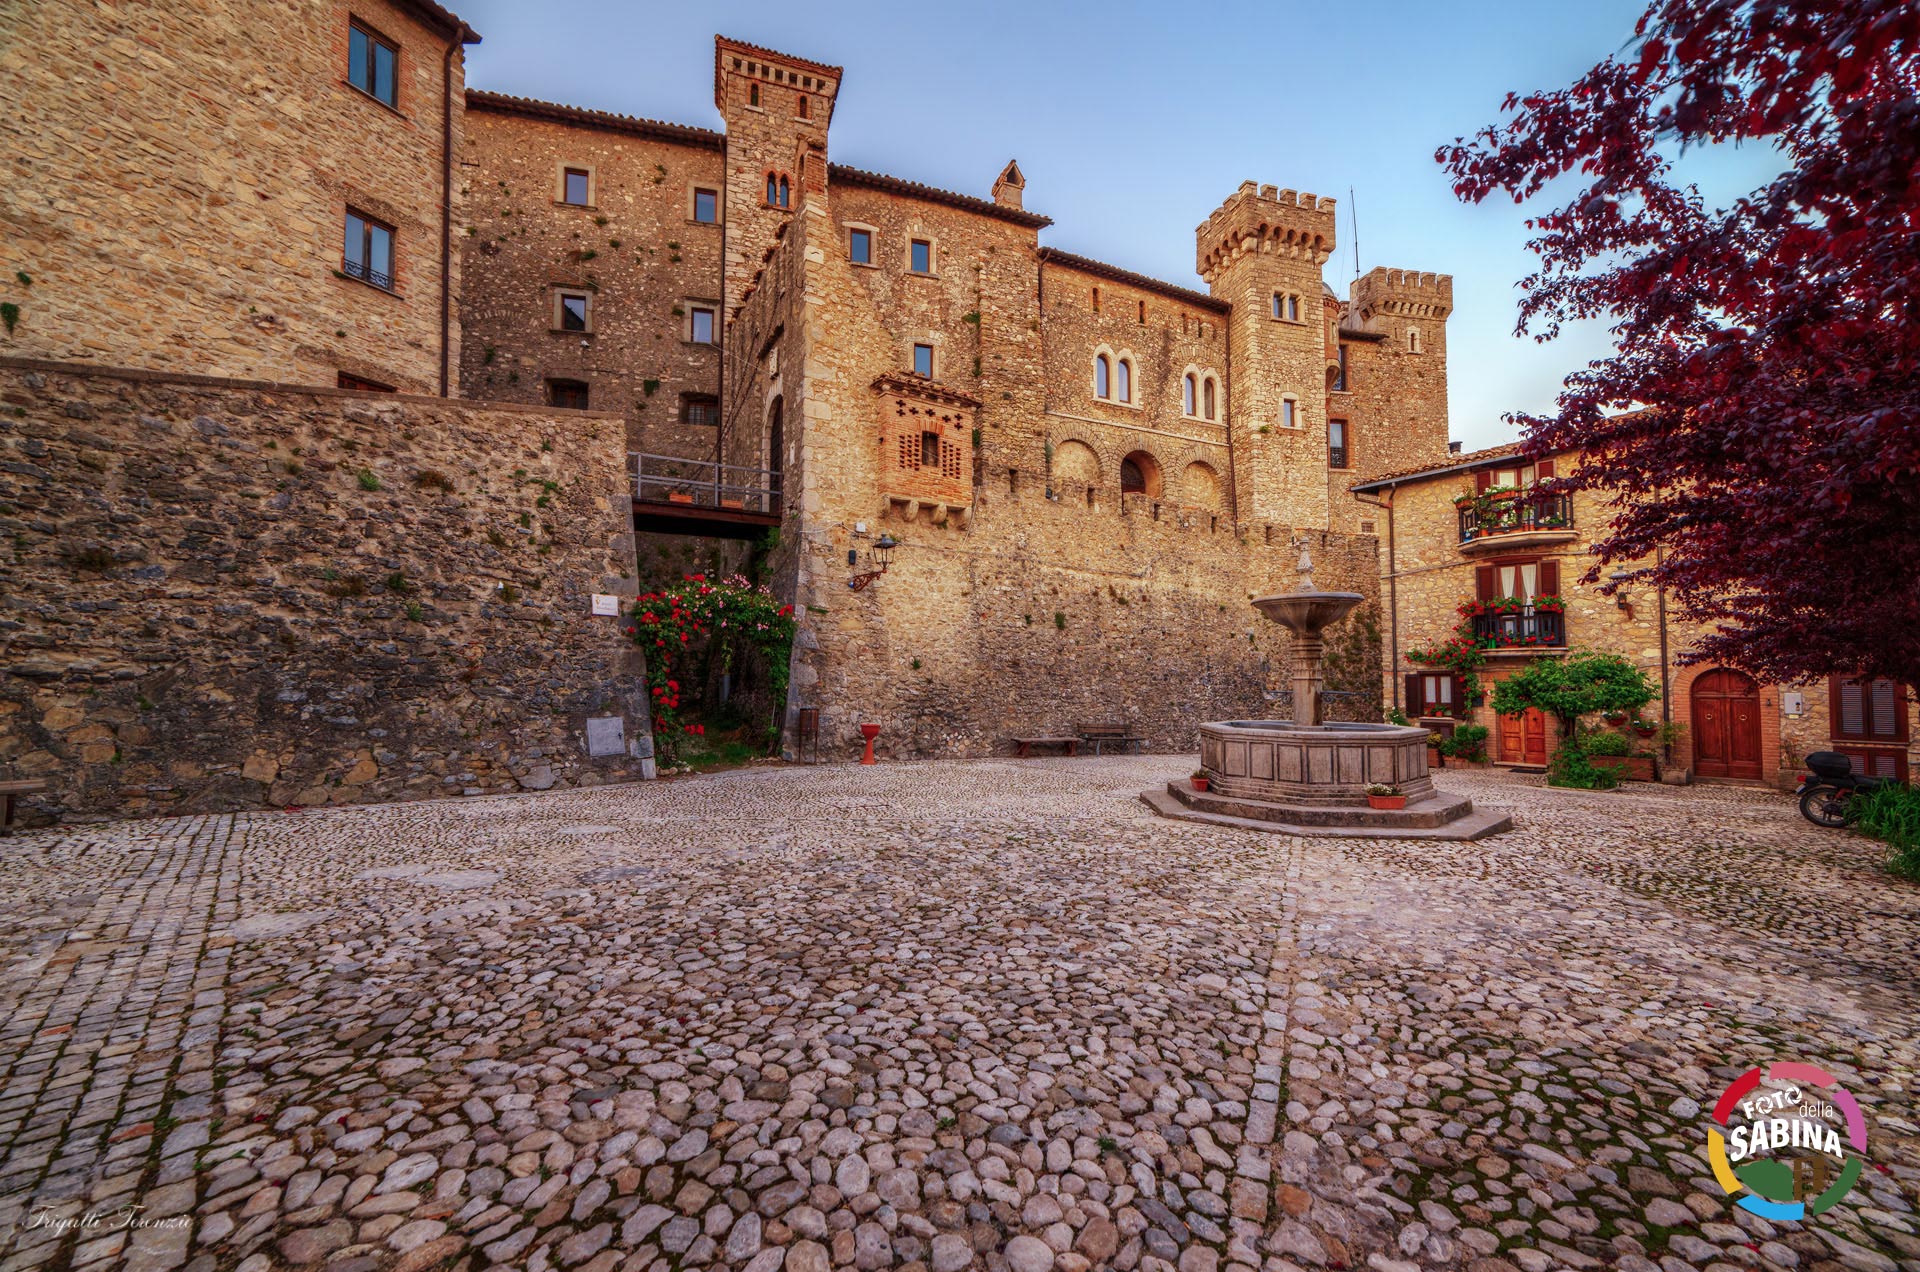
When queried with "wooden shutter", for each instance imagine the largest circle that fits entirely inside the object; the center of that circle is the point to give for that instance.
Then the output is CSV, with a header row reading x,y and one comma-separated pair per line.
x,y
1848,708
1414,704
1482,480
1484,582
1887,710
1460,704
1543,470
1549,578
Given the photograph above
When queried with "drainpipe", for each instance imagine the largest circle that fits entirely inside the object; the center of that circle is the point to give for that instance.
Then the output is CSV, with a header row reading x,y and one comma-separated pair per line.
x,y
1393,593
446,211
1666,678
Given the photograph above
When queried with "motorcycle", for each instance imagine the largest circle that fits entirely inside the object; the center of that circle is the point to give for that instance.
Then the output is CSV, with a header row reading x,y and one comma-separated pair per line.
x,y
1827,793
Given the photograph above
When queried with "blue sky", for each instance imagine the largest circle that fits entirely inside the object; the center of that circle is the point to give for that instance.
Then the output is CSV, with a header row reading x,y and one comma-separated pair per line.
x,y
1133,121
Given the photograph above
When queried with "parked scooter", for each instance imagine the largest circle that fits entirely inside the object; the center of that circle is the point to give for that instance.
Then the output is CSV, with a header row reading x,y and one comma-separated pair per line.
x,y
1827,793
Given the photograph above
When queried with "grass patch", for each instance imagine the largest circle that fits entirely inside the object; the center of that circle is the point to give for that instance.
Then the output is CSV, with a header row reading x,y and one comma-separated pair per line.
x,y
1892,814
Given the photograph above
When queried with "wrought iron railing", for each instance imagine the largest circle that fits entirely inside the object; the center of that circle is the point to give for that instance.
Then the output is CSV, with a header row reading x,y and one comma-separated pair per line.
x,y
704,483
1483,517
1522,628
367,274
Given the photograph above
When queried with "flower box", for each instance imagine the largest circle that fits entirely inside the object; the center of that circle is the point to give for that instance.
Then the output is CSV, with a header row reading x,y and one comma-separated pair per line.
x,y
677,497
1386,801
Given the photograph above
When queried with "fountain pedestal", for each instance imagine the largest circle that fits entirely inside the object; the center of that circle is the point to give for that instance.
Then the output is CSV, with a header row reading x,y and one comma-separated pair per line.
x,y
1308,777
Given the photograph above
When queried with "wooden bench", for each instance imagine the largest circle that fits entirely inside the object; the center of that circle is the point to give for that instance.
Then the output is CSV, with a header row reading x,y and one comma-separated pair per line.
x,y
1026,745
8,790
1099,735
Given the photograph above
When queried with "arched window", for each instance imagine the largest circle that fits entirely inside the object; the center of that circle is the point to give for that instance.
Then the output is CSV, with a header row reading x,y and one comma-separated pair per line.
x,y
753,95
1102,377
1140,475
1279,305
784,193
1123,383
773,190
1207,394
1413,339
1186,395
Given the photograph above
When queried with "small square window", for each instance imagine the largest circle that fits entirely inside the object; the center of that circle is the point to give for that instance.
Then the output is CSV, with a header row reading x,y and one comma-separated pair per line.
x,y
860,247
577,187
923,360
700,326
701,409
568,394
574,308
920,258
706,206
371,65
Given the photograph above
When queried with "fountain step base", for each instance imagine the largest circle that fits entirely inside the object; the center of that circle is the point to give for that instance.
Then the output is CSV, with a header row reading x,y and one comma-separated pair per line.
x,y
1439,816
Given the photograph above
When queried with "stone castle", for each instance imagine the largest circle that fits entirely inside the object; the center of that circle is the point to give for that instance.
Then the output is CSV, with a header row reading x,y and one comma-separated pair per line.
x,y
332,391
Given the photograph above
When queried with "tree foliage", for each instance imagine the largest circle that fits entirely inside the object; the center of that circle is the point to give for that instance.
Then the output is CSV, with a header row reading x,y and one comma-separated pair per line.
x,y
1582,683
1758,425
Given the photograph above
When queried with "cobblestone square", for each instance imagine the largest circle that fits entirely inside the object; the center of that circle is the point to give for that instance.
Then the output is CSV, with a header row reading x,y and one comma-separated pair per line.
x,y
937,1015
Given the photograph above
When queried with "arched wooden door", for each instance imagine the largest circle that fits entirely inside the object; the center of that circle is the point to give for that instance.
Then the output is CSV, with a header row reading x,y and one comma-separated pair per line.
x,y
1726,725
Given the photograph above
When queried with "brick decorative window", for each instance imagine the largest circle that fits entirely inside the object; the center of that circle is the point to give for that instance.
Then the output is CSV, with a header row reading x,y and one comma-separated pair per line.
x,y
573,311
700,408
701,326
357,384
860,246
373,64
1868,710
931,453
706,206
920,256
367,252
576,187
923,360
926,441
568,394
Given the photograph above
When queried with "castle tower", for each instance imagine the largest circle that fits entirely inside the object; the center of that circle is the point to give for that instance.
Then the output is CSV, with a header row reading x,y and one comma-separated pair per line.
x,y
1261,251
1409,310
776,109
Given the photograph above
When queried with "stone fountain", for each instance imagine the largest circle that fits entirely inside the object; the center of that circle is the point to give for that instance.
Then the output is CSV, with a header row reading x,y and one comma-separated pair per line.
x,y
1305,776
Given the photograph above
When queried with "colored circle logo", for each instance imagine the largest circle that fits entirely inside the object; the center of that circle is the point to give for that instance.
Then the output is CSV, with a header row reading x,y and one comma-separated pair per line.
x,y
1787,1159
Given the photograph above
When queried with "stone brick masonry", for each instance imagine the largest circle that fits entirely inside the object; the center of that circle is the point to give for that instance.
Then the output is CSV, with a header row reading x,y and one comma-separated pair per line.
x,y
221,594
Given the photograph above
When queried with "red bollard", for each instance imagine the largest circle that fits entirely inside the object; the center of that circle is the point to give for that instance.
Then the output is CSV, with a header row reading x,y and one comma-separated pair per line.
x,y
869,732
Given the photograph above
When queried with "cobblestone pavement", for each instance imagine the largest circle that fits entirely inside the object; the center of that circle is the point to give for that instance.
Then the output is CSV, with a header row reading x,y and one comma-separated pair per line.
x,y
940,1015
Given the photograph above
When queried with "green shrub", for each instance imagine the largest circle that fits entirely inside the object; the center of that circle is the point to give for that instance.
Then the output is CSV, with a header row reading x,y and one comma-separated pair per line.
x,y
1571,767
1469,742
1607,743
1892,813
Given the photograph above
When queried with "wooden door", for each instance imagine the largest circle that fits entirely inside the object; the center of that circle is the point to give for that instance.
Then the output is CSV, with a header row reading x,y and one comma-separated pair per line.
x,y
1726,725
1523,737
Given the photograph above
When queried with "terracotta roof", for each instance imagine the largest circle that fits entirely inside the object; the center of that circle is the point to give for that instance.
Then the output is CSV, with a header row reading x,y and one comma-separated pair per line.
x,y
706,138
433,15
1453,464
1197,299
913,189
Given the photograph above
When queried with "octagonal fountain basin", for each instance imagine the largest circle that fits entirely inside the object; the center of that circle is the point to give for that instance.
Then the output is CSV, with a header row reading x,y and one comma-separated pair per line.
x,y
1307,612
1326,764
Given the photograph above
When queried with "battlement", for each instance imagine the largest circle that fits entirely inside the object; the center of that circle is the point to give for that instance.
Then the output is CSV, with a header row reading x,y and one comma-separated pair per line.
x,y
738,60
1264,219
1404,293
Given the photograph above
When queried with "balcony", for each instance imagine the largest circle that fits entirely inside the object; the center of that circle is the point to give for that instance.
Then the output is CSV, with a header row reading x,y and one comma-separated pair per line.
x,y
1501,523
1520,628
367,274
688,496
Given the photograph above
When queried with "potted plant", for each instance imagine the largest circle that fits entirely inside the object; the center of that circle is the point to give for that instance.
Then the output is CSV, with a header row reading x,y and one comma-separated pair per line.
x,y
1434,759
1609,751
1644,727
1381,795
1468,744
1199,779
1614,716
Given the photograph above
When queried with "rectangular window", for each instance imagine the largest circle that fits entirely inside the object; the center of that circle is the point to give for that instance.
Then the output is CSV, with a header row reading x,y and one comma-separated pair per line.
x,y
1336,443
706,206
570,395
371,65
576,311
860,247
930,450
1340,375
367,253
358,385
700,325
920,260
923,360
576,187
701,409
1868,710
1289,413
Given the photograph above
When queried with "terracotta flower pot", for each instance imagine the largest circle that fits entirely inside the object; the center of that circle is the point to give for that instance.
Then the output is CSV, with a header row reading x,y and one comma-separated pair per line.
x,y
1200,783
1434,759
1386,801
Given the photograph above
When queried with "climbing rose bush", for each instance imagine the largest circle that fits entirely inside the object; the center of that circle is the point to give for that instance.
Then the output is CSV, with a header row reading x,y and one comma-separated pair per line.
x,y
678,627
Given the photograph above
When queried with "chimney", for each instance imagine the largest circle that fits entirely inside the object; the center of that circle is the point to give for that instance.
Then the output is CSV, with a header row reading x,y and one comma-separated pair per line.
x,y
1007,187
1453,448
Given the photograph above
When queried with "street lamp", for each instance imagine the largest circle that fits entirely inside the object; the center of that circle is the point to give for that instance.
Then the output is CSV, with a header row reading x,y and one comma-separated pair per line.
x,y
877,556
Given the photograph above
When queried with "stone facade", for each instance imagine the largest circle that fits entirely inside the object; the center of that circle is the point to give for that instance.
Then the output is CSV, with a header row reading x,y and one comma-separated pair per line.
x,y
179,177
1431,568
223,594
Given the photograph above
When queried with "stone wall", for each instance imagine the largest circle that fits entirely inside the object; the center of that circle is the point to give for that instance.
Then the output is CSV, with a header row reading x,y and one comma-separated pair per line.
x,y
221,594
635,250
178,180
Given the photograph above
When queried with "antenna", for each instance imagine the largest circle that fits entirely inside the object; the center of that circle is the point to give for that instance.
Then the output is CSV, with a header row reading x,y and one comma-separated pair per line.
x,y
1353,210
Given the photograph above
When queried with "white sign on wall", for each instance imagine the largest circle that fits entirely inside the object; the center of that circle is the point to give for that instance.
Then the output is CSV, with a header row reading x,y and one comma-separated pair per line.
x,y
606,606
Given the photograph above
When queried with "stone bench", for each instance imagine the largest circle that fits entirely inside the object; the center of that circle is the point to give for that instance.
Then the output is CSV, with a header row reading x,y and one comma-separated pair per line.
x,y
8,791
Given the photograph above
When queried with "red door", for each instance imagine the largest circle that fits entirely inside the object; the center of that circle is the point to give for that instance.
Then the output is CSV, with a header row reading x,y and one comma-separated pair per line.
x,y
1726,725
1523,737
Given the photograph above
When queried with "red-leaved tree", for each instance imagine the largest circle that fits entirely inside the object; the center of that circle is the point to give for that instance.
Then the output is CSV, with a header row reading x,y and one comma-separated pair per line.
x,y
1758,425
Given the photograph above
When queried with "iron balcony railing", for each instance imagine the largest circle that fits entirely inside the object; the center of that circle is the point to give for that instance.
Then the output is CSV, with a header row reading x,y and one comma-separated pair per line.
x,y
704,483
367,274
1524,628
1511,516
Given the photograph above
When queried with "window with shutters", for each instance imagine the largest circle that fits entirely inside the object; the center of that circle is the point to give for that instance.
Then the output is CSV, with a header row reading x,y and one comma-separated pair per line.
x,y
1868,710
1431,693
1517,604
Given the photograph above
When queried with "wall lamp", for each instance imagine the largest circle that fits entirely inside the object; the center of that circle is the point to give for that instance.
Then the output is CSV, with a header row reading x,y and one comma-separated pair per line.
x,y
1622,597
877,557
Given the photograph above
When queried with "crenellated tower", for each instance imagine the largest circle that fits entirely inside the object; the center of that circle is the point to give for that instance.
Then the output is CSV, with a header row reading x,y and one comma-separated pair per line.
x,y
1261,251
777,108
1408,310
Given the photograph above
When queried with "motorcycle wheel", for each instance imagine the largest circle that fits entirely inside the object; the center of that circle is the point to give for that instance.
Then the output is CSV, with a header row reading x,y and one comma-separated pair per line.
x,y
1827,806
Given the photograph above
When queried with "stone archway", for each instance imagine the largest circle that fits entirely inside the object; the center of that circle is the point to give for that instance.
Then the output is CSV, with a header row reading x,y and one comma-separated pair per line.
x,y
1140,474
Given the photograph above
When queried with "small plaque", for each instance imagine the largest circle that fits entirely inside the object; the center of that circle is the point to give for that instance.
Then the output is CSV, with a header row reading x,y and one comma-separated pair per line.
x,y
605,606
606,735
